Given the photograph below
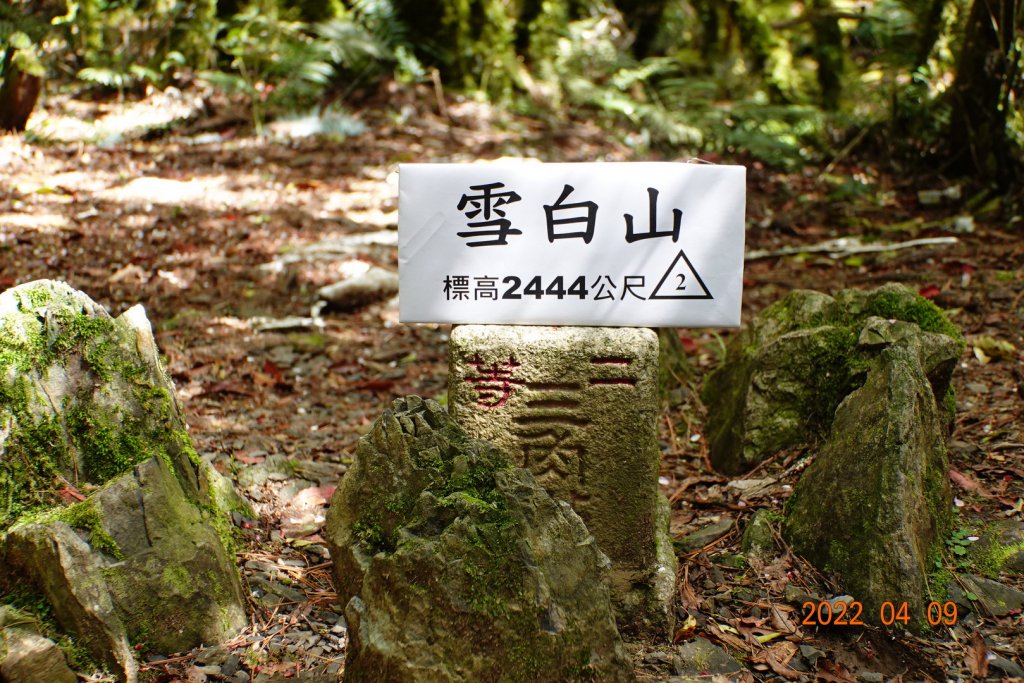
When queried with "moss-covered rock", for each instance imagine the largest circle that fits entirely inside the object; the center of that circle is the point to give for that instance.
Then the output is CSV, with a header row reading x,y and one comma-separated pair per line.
x,y
455,566
87,413
83,398
874,506
759,534
1000,549
786,373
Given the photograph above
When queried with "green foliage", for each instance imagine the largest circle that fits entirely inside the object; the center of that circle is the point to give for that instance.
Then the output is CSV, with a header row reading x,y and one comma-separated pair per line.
x,y
20,37
958,545
776,81
118,44
272,58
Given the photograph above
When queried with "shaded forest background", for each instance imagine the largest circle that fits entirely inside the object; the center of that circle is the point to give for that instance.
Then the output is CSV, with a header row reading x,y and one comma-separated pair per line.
x,y
917,84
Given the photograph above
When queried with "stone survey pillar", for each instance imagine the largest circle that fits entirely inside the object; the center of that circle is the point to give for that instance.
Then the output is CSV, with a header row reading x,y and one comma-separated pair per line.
x,y
578,407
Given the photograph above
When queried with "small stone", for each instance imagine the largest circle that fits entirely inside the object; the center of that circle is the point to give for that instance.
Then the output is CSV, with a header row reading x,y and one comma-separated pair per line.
x,y
708,534
701,656
657,657
1000,548
231,665
213,655
374,284
1008,667
795,595
274,592
27,657
841,600
996,598
276,467
759,536
811,654
870,677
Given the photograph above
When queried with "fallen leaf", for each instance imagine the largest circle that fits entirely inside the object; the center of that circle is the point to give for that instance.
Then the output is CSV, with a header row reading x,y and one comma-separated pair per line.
x,y
688,343
273,370
968,484
777,657
781,622
686,630
245,459
226,387
989,348
833,673
69,494
719,633
976,656
687,594
374,385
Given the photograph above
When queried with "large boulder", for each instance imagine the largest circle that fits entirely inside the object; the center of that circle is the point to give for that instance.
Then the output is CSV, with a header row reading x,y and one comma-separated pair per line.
x,y
787,372
455,566
874,506
105,507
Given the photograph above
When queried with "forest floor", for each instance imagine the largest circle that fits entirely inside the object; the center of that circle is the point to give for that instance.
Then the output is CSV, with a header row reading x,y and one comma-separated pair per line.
x,y
225,238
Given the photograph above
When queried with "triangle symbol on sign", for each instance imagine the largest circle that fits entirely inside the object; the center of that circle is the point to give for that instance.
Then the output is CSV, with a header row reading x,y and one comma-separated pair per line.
x,y
681,281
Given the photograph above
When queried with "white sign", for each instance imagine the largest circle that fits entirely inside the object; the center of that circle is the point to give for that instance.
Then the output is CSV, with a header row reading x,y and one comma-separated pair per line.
x,y
631,244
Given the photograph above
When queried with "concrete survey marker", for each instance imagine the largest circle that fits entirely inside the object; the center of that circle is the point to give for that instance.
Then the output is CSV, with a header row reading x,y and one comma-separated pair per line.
x,y
578,407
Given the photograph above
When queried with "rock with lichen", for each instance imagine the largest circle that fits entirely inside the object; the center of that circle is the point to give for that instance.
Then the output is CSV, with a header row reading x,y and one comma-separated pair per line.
x,y
455,566
1000,549
105,507
788,371
874,507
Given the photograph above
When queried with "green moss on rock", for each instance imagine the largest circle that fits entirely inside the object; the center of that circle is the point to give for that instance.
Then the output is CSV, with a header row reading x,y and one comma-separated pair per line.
x,y
79,402
85,517
875,502
443,552
785,374
999,549
86,409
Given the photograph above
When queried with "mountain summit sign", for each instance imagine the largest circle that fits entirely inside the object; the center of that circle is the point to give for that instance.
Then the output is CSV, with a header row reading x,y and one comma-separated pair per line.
x,y
608,244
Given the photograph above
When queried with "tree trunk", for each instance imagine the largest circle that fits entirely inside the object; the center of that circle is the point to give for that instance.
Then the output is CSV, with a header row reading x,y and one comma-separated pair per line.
x,y
710,28
828,52
987,72
929,28
644,18
18,95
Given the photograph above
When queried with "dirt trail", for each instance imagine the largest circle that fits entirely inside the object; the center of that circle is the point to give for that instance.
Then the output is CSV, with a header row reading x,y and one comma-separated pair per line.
x,y
220,236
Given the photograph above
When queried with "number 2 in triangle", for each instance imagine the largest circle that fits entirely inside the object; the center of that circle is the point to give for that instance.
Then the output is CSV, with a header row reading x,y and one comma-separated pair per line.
x,y
681,281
